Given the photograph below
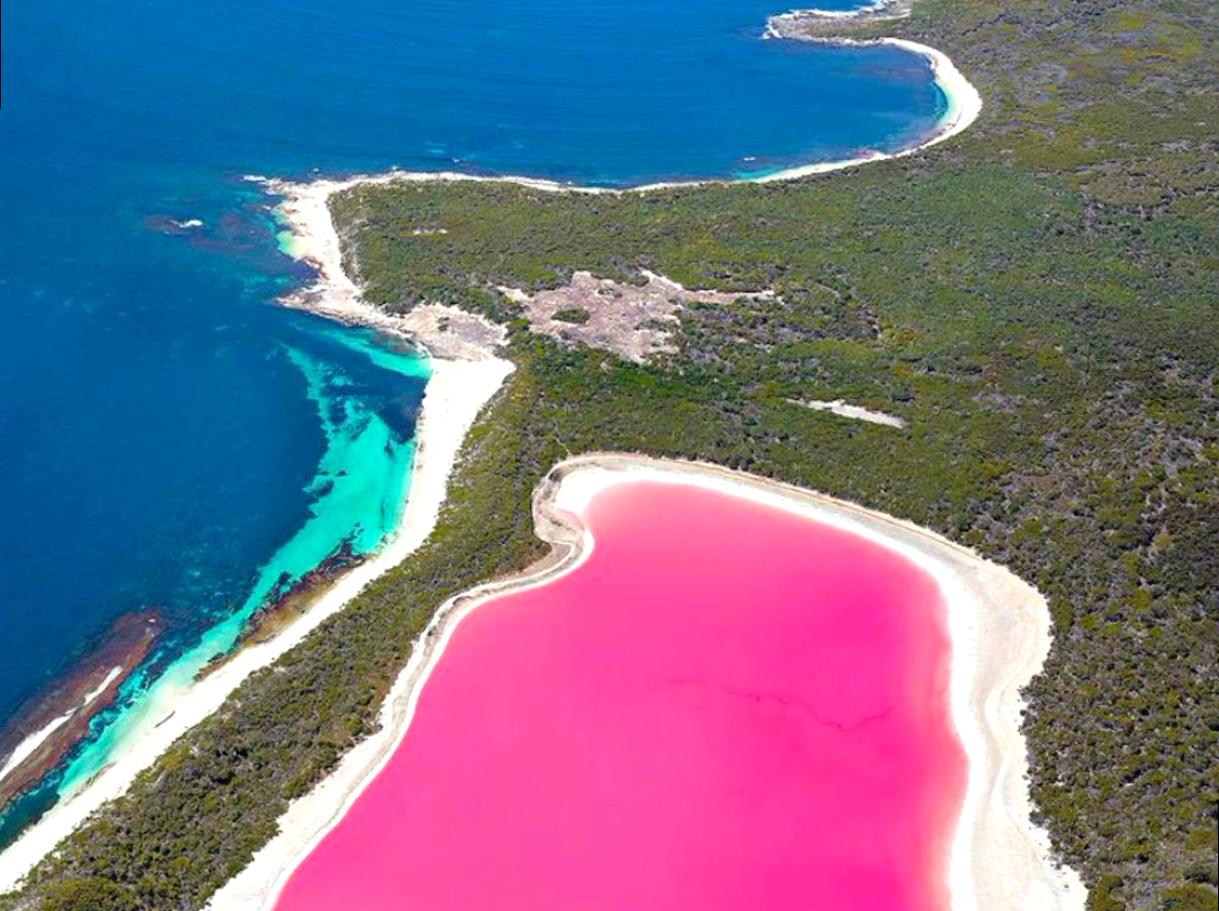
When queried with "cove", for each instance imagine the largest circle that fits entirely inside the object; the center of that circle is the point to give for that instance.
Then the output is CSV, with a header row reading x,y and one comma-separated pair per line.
x,y
722,705
170,436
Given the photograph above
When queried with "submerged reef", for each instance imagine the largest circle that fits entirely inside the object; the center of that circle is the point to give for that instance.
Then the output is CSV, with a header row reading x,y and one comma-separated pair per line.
x,y
43,731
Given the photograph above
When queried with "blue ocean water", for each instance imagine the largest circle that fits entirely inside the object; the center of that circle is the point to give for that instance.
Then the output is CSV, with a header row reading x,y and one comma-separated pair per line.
x,y
168,436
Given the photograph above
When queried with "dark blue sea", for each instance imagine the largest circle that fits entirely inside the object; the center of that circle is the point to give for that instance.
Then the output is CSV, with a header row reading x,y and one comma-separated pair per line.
x,y
171,438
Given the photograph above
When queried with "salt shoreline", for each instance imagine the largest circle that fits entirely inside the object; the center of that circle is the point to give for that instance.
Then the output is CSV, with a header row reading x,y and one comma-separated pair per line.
x,y
463,380
999,628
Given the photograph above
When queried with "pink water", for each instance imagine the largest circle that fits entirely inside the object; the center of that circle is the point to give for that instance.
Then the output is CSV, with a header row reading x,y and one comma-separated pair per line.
x,y
725,707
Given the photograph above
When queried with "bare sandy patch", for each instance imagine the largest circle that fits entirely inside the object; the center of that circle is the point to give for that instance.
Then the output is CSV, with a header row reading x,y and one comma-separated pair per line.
x,y
844,409
635,321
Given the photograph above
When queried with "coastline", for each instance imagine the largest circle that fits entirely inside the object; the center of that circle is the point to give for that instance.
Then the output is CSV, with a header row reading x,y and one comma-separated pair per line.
x,y
964,105
456,392
868,13
466,374
51,724
998,624
314,239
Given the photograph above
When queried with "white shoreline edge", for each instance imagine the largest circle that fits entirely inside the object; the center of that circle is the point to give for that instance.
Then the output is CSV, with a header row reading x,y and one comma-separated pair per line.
x,y
449,400
964,107
1000,632
455,393
27,746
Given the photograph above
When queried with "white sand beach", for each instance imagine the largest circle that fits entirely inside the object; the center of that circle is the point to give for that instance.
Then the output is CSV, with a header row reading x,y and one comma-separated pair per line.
x,y
305,203
999,627
466,373
456,392
964,104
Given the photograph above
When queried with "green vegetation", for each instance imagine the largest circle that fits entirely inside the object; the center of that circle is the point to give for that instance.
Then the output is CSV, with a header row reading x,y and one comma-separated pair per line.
x,y
575,315
1037,298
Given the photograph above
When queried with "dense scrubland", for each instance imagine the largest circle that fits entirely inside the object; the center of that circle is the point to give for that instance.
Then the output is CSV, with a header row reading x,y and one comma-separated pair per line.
x,y
1037,298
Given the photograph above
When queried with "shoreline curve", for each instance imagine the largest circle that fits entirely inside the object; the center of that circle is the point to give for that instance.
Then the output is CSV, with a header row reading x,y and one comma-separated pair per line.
x,y
999,628
456,392
462,382
964,105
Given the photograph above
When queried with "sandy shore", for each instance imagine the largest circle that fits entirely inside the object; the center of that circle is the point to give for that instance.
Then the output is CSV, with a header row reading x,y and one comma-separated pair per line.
x,y
460,385
466,374
1000,636
964,104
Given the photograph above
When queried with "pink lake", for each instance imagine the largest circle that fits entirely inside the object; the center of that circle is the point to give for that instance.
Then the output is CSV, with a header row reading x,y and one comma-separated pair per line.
x,y
726,706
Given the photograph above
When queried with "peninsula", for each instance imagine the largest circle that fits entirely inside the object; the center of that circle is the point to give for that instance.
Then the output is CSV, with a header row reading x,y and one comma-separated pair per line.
x,y
1028,305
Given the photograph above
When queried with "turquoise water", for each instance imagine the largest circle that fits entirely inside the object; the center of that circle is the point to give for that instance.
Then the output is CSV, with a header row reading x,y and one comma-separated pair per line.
x,y
364,393
357,495
170,437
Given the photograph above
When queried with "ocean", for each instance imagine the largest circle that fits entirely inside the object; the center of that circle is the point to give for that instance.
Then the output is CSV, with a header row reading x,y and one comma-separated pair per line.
x,y
170,438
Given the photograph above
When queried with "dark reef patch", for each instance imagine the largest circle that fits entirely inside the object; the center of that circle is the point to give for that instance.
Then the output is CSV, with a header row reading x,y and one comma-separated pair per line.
x,y
87,689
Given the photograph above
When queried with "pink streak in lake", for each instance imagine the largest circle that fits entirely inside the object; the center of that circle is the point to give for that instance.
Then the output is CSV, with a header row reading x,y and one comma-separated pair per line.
x,y
726,707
